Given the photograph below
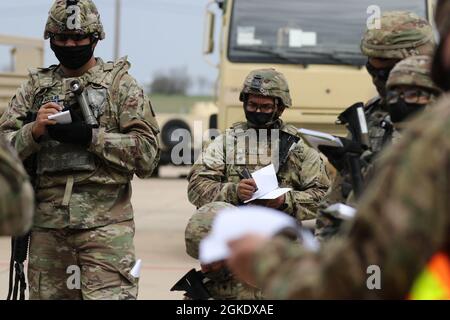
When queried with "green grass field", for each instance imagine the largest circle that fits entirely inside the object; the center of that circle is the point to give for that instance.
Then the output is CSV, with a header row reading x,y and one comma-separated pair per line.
x,y
176,104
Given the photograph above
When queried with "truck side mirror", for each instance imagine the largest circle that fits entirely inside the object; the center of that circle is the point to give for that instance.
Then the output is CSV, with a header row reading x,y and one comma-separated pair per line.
x,y
208,41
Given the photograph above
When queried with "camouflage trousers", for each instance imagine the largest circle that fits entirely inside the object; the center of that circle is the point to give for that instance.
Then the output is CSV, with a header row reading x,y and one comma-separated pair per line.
x,y
232,289
221,285
83,264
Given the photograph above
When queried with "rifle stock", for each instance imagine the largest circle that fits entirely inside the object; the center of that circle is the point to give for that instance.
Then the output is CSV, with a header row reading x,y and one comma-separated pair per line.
x,y
193,284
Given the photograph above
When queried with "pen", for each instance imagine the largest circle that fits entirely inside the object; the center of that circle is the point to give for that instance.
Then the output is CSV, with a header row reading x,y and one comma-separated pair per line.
x,y
247,175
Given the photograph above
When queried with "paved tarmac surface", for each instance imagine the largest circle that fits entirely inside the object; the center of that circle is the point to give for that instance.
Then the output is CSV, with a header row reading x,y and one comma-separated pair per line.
x,y
162,211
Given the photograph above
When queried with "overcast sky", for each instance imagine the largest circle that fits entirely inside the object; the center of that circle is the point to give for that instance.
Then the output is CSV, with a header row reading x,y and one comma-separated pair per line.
x,y
156,34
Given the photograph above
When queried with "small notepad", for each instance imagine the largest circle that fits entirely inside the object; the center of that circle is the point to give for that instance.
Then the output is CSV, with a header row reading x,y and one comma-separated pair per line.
x,y
267,183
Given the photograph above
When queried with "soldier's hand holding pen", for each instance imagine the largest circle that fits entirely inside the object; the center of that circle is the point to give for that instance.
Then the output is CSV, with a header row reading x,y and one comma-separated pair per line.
x,y
247,186
40,125
246,189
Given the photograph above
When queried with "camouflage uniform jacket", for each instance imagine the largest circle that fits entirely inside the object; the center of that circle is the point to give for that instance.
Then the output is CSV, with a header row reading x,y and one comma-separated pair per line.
x,y
16,193
98,191
403,220
215,176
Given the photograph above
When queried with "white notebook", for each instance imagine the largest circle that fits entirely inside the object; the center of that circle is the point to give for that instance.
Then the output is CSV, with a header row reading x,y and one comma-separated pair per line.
x,y
317,138
267,184
61,117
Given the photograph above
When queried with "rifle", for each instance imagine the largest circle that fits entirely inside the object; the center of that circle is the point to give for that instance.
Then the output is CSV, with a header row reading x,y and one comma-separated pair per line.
x,y
19,251
348,157
355,121
287,142
193,283
388,127
19,245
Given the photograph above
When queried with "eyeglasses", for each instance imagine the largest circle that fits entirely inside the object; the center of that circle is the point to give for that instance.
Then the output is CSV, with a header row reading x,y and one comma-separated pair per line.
x,y
253,107
66,36
410,96
380,73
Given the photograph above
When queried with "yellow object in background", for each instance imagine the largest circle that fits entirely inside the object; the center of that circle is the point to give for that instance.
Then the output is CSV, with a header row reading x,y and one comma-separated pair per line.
x,y
434,282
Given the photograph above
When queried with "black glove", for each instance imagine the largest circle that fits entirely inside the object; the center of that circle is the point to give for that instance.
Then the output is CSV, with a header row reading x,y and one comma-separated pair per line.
x,y
28,118
336,155
75,133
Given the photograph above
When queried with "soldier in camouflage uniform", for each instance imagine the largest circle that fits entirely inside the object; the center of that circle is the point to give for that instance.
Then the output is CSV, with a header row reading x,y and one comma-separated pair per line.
x,y
16,194
221,283
402,34
410,90
219,174
403,219
83,173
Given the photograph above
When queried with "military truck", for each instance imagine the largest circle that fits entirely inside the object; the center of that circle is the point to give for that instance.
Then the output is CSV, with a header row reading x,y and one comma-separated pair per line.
x,y
314,43
182,134
24,53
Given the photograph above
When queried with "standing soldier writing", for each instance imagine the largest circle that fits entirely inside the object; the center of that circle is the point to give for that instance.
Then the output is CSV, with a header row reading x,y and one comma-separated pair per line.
x,y
84,216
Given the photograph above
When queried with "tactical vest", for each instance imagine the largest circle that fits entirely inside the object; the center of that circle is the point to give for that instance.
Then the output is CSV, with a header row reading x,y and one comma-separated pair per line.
x,y
240,154
102,84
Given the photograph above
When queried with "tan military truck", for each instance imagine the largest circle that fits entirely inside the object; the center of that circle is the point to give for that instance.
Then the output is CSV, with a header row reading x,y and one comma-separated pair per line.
x,y
25,53
314,43
182,134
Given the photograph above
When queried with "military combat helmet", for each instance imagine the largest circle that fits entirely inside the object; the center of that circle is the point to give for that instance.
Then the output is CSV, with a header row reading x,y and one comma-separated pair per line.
x,y
80,16
269,83
402,34
413,71
200,225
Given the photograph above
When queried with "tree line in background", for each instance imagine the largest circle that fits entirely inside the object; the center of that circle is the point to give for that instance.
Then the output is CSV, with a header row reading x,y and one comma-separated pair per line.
x,y
177,81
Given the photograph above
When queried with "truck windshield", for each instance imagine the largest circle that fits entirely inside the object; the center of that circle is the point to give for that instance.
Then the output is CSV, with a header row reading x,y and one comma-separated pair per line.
x,y
306,31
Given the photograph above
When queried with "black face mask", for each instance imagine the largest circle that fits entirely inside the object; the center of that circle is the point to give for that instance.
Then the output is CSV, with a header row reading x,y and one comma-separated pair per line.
x,y
400,111
73,57
379,78
259,119
439,74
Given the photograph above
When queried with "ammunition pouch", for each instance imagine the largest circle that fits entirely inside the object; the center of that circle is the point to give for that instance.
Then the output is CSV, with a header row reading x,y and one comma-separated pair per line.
x,y
55,157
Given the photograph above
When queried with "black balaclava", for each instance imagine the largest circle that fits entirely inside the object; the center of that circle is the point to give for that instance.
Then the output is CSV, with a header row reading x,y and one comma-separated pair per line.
x,y
73,57
401,110
261,119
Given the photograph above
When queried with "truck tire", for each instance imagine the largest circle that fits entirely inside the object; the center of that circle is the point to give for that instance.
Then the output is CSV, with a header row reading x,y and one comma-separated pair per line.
x,y
170,127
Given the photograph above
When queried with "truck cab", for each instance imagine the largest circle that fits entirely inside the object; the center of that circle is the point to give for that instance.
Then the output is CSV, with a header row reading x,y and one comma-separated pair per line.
x,y
315,44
